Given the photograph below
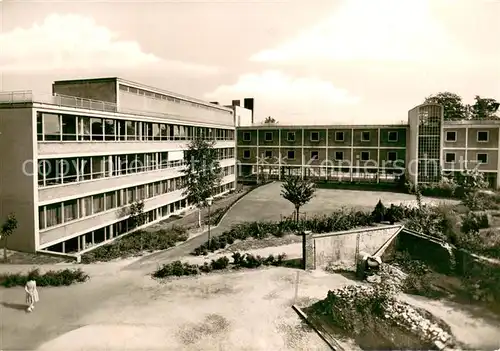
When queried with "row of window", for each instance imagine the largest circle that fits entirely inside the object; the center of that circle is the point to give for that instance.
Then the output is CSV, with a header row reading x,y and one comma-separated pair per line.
x,y
64,127
117,229
169,98
68,211
482,136
315,136
452,157
77,169
339,155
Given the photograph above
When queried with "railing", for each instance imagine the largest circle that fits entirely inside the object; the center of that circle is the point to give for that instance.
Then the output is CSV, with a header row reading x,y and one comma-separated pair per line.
x,y
28,96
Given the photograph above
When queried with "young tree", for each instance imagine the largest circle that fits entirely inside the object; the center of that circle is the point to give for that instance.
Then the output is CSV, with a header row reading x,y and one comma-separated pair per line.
x,y
202,173
136,214
298,191
8,227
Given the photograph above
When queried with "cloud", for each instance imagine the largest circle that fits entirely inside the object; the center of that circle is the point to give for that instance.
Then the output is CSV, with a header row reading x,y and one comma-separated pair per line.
x,y
375,30
297,100
74,42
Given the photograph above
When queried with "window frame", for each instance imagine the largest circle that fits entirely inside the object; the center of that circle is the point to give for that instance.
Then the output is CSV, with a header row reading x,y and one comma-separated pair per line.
x,y
311,136
487,136
363,134
450,153
343,136
249,136
480,162
389,136
364,153
446,136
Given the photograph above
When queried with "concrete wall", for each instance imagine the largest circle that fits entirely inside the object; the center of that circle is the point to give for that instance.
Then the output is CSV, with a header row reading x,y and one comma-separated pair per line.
x,y
104,90
242,117
18,191
339,248
412,145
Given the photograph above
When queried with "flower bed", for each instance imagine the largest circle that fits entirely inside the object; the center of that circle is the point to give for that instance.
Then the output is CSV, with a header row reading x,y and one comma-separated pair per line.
x,y
136,243
376,319
177,268
63,277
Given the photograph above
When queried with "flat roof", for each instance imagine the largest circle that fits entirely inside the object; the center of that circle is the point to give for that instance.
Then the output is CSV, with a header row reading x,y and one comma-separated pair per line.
x,y
143,87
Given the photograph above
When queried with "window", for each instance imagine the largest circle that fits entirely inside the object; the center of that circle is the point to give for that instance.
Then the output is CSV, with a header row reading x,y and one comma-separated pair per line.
x,y
314,136
110,200
109,129
392,136
268,136
246,153
365,155
98,201
450,157
314,155
246,136
268,154
131,127
39,127
70,210
339,136
451,136
365,136
339,155
482,136
291,154
52,126
482,158
392,156
96,127
68,127
290,136
53,214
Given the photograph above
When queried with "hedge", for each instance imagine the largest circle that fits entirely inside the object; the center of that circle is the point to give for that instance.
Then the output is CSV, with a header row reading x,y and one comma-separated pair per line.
x,y
63,277
136,243
338,220
178,268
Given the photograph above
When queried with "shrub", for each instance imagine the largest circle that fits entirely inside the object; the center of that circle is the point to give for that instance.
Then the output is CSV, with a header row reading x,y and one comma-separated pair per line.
x,y
379,212
337,221
220,263
136,243
473,222
446,188
178,269
395,214
63,277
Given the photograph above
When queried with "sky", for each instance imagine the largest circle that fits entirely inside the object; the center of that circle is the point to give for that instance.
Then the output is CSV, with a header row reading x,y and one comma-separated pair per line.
x,y
304,62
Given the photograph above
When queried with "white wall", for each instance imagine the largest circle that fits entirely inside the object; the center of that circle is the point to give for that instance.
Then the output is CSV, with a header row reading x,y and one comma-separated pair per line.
x,y
243,116
130,101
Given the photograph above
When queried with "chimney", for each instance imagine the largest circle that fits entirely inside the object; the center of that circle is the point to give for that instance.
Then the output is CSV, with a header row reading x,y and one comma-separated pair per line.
x,y
248,104
236,103
214,102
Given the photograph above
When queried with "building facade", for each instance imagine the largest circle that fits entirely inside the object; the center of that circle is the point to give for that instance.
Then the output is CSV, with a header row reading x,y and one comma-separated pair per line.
x,y
72,161
425,149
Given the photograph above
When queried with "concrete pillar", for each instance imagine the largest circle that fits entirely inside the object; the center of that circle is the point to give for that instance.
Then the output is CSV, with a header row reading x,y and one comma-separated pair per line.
x,y
308,255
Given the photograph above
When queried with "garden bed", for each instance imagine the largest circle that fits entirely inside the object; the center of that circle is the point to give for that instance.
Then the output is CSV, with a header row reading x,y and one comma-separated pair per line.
x,y
178,268
376,320
63,277
136,244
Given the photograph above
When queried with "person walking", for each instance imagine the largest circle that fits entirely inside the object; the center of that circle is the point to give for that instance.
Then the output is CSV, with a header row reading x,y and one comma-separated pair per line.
x,y
31,294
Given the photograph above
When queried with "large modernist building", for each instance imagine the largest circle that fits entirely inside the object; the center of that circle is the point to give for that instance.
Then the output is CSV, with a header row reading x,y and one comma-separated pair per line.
x,y
425,148
72,160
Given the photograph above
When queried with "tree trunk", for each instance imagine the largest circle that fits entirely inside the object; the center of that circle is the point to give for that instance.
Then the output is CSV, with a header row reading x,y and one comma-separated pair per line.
x,y
199,217
297,214
5,250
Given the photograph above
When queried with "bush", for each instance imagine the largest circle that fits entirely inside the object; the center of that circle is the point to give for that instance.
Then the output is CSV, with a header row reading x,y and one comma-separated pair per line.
x,y
395,214
220,263
473,222
136,243
63,277
178,269
379,212
337,221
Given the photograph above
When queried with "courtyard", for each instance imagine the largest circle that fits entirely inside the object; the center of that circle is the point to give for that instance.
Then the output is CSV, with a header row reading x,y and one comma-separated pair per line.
x,y
123,308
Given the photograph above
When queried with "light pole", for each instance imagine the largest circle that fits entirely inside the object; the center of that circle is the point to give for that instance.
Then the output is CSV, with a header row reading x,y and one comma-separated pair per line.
x,y
209,204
